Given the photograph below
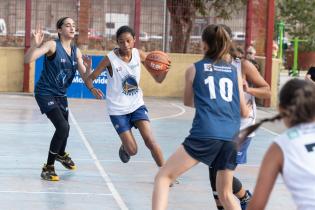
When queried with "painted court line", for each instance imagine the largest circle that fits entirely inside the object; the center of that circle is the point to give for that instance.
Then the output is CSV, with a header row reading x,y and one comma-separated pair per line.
x,y
182,111
55,193
104,175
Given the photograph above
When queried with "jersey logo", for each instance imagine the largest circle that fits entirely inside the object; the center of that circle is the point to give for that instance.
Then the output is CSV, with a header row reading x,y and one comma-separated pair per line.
x,y
118,69
62,60
50,103
130,85
207,67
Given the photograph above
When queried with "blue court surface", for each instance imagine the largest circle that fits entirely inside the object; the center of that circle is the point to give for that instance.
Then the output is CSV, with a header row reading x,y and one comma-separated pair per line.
x,y
101,180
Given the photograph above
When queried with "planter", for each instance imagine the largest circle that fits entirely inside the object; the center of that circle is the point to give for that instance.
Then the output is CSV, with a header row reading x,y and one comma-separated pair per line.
x,y
305,60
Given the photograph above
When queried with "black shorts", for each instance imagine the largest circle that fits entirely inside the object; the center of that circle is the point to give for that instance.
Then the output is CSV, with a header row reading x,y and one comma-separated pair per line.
x,y
218,154
47,103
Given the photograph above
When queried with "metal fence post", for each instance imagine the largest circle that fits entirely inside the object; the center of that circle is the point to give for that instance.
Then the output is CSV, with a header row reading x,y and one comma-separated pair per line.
x,y
137,21
27,44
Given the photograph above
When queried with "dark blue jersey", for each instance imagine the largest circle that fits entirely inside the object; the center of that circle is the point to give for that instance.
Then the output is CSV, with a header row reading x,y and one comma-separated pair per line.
x,y
58,72
216,99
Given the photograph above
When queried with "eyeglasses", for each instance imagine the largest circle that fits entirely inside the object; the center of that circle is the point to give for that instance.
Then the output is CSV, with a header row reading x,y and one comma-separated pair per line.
x,y
250,53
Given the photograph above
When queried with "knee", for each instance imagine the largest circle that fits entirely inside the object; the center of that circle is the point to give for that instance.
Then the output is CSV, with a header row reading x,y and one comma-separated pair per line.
x,y
225,197
161,176
63,129
131,150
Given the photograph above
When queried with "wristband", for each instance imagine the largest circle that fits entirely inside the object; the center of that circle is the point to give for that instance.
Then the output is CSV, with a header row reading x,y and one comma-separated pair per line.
x,y
91,88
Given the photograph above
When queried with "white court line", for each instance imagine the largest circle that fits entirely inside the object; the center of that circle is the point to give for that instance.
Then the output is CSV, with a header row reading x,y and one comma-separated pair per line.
x,y
104,175
182,111
57,193
173,115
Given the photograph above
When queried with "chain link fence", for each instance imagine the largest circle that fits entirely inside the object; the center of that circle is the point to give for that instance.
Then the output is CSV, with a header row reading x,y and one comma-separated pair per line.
x,y
157,23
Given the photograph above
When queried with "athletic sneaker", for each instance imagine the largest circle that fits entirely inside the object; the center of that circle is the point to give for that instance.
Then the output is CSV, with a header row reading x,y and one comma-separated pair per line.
x,y
245,201
66,161
123,155
49,174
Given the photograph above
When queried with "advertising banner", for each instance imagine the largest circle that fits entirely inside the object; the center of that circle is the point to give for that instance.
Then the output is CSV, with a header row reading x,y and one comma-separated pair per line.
x,y
78,88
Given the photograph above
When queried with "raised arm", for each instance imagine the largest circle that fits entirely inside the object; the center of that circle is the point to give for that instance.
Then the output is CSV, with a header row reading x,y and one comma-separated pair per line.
x,y
157,77
38,49
261,88
188,90
269,170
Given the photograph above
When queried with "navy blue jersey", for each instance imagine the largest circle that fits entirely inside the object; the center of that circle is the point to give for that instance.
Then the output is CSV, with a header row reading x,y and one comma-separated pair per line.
x,y
58,72
216,99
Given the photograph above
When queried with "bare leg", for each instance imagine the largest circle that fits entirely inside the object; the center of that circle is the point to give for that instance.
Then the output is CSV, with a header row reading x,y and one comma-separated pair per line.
x,y
129,142
176,165
147,135
224,189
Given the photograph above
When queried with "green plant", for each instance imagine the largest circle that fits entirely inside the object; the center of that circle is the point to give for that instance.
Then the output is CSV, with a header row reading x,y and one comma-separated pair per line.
x,y
299,18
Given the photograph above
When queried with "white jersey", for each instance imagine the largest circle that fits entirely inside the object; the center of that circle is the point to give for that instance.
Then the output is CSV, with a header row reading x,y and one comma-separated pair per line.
x,y
298,147
250,120
123,94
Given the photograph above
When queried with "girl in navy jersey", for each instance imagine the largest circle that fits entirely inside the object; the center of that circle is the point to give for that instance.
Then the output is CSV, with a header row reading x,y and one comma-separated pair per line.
x,y
214,88
60,64
292,154
254,87
124,98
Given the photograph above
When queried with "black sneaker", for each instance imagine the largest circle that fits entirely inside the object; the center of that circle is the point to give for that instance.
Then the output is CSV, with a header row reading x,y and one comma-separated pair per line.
x,y
245,201
49,174
123,155
66,161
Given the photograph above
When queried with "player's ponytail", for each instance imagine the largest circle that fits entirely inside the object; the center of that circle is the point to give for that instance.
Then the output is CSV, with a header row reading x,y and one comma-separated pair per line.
x,y
296,103
240,137
218,41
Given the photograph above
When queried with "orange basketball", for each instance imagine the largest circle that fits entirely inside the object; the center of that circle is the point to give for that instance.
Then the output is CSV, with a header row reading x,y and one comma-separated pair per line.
x,y
157,61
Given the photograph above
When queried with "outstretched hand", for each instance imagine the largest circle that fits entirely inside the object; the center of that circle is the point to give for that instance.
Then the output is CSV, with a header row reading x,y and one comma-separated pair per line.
x,y
38,36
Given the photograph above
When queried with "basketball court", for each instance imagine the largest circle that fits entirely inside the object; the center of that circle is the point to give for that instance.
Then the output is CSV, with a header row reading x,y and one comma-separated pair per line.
x,y
102,181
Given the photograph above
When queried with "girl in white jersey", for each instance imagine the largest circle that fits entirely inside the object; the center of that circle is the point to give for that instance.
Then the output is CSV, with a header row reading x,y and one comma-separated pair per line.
x,y
293,152
124,96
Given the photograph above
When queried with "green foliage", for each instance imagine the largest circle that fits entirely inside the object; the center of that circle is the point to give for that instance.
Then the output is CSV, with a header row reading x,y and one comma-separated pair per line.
x,y
299,18
222,8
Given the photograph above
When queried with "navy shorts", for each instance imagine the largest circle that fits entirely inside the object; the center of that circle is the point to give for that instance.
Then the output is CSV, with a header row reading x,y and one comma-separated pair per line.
x,y
125,122
241,157
218,154
47,103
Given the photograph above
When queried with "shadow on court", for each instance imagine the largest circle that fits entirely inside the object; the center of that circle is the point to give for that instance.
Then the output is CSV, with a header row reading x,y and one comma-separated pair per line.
x,y
101,180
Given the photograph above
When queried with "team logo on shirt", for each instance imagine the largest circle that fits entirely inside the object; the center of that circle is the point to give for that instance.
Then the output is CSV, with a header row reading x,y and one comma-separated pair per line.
x,y
130,85
207,67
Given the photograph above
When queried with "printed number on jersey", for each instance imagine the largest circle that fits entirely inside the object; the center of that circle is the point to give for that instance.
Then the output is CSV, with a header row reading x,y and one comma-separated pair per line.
x,y
225,86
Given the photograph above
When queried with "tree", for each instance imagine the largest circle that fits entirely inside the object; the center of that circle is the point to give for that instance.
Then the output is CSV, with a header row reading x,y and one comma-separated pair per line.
x,y
299,18
183,13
